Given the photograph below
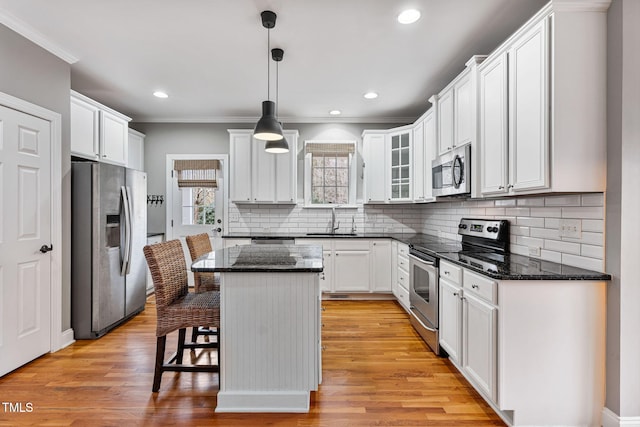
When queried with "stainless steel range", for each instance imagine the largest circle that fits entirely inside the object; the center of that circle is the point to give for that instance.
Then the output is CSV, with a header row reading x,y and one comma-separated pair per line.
x,y
484,244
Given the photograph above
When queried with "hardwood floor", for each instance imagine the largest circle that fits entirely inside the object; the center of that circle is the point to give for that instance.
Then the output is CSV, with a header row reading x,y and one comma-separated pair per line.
x,y
376,372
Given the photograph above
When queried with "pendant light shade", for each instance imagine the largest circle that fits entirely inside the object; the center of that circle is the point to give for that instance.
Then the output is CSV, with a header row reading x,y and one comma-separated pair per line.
x,y
268,128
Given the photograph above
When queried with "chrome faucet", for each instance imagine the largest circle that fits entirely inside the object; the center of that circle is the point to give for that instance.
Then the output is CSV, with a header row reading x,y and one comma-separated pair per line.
x,y
334,227
353,224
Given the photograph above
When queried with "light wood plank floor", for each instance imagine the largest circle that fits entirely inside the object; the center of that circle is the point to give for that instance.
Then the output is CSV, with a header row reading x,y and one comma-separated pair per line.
x,y
376,372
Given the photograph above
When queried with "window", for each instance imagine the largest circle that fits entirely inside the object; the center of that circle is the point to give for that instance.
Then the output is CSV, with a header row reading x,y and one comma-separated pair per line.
x,y
330,175
198,206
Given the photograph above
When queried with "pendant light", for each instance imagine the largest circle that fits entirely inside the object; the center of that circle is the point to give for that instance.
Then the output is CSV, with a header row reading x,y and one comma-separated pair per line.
x,y
268,128
280,145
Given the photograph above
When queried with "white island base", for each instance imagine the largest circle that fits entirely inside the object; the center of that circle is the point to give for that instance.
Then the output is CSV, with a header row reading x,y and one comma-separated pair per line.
x,y
270,341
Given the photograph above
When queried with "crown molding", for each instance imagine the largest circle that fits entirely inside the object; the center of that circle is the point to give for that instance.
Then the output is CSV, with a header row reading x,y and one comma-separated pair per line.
x,y
285,120
28,32
581,5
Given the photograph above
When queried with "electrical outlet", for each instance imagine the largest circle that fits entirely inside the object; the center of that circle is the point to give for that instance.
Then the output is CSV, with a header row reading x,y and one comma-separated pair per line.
x,y
571,228
534,251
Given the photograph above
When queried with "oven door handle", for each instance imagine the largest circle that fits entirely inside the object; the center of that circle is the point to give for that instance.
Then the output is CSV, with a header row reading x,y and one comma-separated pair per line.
x,y
420,321
421,261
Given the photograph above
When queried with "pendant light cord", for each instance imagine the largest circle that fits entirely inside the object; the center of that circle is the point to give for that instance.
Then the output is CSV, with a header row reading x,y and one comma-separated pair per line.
x,y
277,90
268,64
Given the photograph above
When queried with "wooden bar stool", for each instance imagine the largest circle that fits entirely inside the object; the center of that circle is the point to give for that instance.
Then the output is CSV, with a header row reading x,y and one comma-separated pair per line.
x,y
200,244
178,309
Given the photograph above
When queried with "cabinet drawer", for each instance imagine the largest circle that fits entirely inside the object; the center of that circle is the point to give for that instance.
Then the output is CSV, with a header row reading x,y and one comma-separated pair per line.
x,y
482,286
342,244
403,297
403,263
451,272
403,250
403,279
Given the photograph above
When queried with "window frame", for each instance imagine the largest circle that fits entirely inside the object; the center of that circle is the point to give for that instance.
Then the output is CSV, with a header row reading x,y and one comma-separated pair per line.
x,y
308,170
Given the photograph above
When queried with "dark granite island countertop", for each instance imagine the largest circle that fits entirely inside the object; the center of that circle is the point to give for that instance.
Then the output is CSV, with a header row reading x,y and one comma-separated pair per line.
x,y
262,258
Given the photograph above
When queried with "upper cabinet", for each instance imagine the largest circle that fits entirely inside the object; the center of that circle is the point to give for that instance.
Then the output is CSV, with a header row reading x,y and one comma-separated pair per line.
x,y
388,165
424,146
456,109
542,97
98,132
135,159
260,177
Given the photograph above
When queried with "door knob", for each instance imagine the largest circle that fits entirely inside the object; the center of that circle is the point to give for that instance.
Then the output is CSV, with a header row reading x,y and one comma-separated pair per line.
x,y
44,248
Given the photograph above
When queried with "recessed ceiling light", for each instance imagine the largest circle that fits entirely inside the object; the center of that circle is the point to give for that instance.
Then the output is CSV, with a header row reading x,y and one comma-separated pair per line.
x,y
371,95
160,94
409,16
335,112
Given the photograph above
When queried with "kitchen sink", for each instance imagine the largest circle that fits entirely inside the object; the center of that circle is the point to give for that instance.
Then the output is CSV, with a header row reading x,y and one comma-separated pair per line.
x,y
331,234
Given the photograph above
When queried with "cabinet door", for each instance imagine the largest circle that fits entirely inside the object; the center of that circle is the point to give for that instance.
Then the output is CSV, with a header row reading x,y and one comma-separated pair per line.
x,y
374,149
420,167
394,266
135,158
445,121
351,271
493,125
463,105
114,137
264,173
381,266
400,166
326,284
240,171
286,172
84,129
480,344
451,319
528,110
429,153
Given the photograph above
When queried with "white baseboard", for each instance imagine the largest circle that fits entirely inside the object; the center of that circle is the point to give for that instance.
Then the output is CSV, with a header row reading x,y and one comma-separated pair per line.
x,y
66,338
611,419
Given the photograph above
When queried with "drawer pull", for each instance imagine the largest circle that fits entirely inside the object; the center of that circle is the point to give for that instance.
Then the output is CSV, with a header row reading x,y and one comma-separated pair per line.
x,y
446,273
455,294
474,286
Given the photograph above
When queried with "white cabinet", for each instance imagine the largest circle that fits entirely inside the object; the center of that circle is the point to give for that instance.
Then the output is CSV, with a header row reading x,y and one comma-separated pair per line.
x,y
135,159
424,147
401,153
450,319
260,177
374,147
445,120
380,263
98,132
542,125
351,272
400,286
228,242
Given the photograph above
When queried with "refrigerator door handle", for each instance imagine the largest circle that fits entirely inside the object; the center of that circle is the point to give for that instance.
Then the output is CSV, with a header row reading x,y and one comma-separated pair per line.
x,y
127,232
130,228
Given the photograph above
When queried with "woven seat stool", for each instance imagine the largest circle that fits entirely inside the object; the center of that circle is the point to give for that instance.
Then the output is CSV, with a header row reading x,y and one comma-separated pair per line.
x,y
200,244
178,309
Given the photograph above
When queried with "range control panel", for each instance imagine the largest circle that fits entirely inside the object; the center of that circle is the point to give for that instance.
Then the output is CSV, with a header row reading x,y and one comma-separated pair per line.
x,y
491,229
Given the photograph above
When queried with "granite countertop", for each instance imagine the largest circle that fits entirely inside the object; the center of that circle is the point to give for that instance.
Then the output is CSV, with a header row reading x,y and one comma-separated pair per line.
x,y
512,267
262,258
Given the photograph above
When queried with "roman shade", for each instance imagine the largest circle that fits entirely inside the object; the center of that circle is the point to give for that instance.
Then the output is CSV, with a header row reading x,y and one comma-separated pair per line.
x,y
197,173
330,148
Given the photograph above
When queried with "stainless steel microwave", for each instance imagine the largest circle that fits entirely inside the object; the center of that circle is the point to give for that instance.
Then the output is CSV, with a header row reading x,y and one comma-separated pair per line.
x,y
451,172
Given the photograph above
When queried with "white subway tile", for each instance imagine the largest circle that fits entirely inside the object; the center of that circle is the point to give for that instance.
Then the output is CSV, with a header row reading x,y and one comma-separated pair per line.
x,y
519,249
552,223
485,203
592,251
596,225
583,262
596,239
519,231
518,211
530,222
587,212
595,199
494,211
529,241
545,233
505,202
531,201
564,247
550,255
546,212
568,200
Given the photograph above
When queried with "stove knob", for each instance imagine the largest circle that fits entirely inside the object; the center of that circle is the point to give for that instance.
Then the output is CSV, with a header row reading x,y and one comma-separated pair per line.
x,y
463,226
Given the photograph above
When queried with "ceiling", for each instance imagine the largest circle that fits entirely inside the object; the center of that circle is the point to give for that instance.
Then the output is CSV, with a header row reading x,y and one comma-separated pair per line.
x,y
210,56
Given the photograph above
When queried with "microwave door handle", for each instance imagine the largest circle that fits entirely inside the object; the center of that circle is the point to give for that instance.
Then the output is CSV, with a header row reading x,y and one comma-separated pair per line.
x,y
457,165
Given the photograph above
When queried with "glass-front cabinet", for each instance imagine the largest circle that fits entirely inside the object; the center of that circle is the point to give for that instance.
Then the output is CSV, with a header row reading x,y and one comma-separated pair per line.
x,y
400,165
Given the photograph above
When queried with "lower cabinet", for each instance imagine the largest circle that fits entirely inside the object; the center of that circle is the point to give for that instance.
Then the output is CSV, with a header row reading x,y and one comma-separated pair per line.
x,y
400,286
380,271
451,319
351,270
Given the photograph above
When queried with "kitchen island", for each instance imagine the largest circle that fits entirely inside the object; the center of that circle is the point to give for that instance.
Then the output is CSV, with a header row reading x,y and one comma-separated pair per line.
x,y
269,326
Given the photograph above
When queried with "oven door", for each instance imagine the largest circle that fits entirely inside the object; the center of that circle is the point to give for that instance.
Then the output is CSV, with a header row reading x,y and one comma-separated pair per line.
x,y
423,290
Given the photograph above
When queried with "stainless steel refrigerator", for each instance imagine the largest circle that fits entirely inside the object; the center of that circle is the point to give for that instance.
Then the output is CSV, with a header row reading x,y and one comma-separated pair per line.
x,y
108,232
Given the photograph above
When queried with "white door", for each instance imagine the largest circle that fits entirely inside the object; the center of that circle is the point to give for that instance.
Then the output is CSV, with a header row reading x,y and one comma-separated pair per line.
x,y
25,218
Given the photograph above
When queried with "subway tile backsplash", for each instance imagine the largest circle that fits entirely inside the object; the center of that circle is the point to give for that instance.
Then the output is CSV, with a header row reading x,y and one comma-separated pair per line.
x,y
535,222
